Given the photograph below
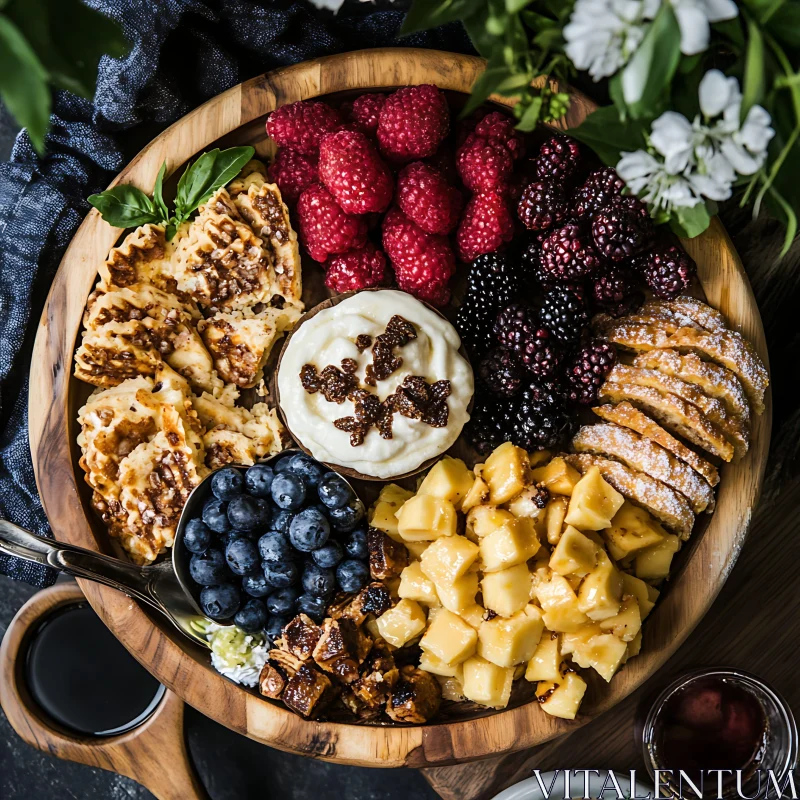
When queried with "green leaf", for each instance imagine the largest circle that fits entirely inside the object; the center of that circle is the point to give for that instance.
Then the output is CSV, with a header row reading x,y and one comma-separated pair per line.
x,y
763,9
537,21
485,85
125,206
782,209
425,14
158,194
530,116
23,83
648,74
690,222
481,39
753,87
515,6
732,30
784,24
608,135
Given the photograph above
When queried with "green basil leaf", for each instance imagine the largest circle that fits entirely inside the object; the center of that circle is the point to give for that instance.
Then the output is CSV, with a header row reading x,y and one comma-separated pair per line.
x,y
158,194
690,222
23,83
608,135
754,80
647,76
125,206
425,14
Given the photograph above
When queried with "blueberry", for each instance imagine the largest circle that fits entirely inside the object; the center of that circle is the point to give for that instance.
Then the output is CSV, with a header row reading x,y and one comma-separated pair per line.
x,y
352,575
346,518
209,568
220,602
242,556
197,536
258,480
329,555
309,470
245,513
281,520
280,574
256,585
275,625
309,530
355,545
288,491
227,483
283,464
282,601
333,490
274,546
215,515
314,607
318,581
251,617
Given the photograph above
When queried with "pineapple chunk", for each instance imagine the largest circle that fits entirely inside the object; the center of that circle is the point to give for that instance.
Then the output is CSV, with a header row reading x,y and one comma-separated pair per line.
x,y
594,502
627,623
477,495
558,476
424,518
600,594
636,587
563,698
459,595
575,554
448,558
451,689
604,653
634,647
653,563
545,663
449,638
483,520
473,615
402,623
506,472
507,591
486,683
416,549
525,505
539,457
571,643
414,585
372,627
384,513
430,663
513,543
560,605
554,518
632,529
449,479
507,642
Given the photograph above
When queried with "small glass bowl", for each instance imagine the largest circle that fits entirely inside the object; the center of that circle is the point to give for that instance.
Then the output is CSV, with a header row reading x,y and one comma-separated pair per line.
x,y
781,745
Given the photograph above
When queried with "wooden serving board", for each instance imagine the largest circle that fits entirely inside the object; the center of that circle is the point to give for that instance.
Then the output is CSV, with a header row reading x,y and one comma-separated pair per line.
x,y
237,117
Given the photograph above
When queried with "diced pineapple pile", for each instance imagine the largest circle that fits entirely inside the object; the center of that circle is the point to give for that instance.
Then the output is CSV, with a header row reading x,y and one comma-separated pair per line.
x,y
498,587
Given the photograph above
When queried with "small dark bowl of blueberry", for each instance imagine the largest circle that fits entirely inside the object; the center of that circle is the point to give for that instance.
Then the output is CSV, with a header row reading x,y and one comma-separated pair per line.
x,y
258,545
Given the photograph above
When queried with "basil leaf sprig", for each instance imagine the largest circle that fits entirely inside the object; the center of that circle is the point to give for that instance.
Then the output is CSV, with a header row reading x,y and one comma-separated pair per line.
x,y
125,206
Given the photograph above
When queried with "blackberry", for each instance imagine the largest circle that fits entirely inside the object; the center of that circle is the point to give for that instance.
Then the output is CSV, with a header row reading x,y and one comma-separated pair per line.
x,y
492,423
501,372
542,205
615,292
542,420
567,255
558,158
597,191
622,229
517,328
564,313
588,369
667,270
474,323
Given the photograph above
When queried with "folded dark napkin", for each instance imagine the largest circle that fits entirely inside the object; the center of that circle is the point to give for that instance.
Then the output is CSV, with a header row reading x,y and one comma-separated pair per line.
x,y
183,52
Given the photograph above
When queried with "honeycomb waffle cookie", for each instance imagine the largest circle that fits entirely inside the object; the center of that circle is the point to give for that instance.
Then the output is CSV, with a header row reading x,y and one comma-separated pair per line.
x,y
671,508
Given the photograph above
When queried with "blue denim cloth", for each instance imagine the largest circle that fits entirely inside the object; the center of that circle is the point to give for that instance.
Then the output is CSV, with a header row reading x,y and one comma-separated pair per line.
x,y
183,52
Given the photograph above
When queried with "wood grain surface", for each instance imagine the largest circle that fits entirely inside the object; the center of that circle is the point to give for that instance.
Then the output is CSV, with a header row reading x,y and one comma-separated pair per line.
x,y
153,754
237,116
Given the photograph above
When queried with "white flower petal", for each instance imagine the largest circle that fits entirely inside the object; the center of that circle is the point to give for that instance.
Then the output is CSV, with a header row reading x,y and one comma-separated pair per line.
x,y
671,135
740,159
757,131
719,10
695,31
717,93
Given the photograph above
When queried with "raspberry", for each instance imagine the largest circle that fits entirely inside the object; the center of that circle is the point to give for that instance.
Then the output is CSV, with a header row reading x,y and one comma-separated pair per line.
x,y
324,228
485,226
622,229
413,123
564,313
598,190
423,262
356,269
558,157
301,125
567,255
483,166
667,270
614,291
517,328
354,173
426,198
542,205
588,369
365,111
498,129
293,172
501,372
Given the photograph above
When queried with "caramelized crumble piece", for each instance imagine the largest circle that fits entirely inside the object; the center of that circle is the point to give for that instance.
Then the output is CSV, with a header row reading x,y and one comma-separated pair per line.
x,y
363,342
300,637
387,558
415,697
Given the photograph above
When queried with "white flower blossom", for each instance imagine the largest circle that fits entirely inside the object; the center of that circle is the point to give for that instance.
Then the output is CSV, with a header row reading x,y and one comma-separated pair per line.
x,y
695,18
647,177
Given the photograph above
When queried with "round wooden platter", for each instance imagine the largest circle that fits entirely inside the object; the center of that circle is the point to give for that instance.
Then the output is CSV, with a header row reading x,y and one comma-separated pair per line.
x,y
237,117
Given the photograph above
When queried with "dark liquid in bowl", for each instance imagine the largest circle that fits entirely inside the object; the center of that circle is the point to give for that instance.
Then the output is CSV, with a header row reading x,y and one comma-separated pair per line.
x,y
84,679
710,724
